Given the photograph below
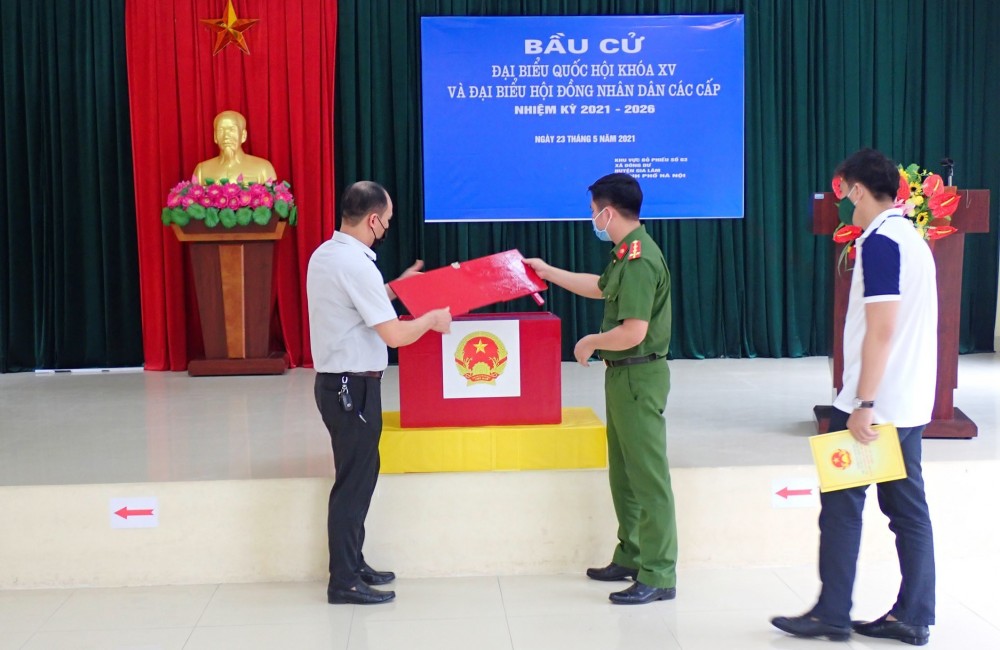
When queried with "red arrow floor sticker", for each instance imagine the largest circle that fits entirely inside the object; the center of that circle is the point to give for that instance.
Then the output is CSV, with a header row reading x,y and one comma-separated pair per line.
x,y
794,492
125,513
784,493
134,512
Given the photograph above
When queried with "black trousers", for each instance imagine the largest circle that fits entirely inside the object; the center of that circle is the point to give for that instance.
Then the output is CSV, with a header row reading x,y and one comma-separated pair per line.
x,y
354,436
904,503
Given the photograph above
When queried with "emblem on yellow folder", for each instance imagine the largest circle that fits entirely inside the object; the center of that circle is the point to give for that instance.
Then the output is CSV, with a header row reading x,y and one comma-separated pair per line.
x,y
841,459
481,357
843,462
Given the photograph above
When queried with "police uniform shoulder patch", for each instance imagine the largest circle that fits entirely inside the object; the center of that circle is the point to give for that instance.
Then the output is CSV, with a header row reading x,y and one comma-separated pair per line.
x,y
620,253
635,250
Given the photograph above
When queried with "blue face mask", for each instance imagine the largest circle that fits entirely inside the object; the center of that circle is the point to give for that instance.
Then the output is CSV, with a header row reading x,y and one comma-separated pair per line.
x,y
601,234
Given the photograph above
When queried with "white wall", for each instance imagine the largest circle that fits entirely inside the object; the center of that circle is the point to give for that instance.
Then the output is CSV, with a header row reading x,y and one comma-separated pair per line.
x,y
423,525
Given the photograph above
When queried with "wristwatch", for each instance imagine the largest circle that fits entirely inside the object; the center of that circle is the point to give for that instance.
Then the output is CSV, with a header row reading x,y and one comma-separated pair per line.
x,y
863,404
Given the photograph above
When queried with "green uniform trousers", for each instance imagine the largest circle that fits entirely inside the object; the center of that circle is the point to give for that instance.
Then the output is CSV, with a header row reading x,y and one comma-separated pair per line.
x,y
640,476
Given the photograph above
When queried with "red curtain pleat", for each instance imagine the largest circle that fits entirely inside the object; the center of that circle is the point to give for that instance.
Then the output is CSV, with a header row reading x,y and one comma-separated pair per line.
x,y
285,89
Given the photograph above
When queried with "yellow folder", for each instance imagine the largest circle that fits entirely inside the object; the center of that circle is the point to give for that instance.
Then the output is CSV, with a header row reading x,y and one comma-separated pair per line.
x,y
843,462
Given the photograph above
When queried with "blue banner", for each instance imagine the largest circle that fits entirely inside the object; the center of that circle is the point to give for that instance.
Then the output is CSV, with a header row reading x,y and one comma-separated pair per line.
x,y
521,114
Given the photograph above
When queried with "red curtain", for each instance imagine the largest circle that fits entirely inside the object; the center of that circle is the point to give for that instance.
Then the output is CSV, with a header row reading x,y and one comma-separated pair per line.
x,y
285,89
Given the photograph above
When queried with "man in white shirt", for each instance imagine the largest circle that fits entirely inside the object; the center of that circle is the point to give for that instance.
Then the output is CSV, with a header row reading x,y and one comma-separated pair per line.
x,y
351,321
890,371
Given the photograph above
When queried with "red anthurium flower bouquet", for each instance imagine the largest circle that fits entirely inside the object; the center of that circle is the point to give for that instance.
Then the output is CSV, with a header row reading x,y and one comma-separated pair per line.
x,y
925,201
845,234
937,232
838,187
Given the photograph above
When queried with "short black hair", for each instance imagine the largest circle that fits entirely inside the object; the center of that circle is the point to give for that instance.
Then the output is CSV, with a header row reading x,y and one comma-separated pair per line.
x,y
620,191
360,200
872,169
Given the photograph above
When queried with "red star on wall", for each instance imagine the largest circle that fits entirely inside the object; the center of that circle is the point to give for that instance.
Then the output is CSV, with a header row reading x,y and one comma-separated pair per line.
x,y
229,29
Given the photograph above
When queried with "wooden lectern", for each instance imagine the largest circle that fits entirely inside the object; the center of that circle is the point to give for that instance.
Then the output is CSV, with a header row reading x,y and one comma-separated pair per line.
x,y
972,216
232,274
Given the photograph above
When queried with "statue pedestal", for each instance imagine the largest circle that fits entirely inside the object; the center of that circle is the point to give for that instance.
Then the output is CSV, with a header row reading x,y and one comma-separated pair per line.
x,y
232,274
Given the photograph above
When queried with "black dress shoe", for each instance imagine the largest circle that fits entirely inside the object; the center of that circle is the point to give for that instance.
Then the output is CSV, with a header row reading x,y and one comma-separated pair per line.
x,y
883,628
809,627
372,577
360,594
612,572
640,594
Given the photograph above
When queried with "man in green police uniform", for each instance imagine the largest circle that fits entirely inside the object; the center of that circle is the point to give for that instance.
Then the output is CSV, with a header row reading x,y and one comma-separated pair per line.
x,y
633,343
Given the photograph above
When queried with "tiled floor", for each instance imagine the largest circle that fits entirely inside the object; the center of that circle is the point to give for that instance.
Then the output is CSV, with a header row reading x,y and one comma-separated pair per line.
x,y
716,609
161,426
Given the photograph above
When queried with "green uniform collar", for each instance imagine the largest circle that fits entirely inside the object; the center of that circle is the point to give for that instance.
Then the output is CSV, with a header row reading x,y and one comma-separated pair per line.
x,y
621,249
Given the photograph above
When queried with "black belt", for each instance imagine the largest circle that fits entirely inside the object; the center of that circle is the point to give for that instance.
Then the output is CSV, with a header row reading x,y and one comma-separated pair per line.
x,y
631,361
377,374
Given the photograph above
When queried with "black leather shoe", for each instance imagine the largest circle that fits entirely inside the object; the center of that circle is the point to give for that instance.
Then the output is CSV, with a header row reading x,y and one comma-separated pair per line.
x,y
360,594
612,572
885,629
809,627
372,577
640,594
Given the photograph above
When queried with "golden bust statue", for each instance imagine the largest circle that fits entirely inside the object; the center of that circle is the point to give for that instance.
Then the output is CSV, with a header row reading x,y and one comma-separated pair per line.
x,y
230,128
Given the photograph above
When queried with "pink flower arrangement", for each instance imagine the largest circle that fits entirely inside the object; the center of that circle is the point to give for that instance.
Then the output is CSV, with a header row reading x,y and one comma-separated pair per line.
x,y
229,203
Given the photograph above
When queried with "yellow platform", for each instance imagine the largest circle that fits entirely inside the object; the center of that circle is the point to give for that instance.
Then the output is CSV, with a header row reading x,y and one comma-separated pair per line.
x,y
578,442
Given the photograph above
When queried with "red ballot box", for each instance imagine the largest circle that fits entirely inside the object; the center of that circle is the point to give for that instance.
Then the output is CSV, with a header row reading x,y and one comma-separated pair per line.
x,y
465,286
492,369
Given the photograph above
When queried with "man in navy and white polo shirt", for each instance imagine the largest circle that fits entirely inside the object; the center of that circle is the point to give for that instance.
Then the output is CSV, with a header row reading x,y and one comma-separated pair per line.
x,y
351,321
890,371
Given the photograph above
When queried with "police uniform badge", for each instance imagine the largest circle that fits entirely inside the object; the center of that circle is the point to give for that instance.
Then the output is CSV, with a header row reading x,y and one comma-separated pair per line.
x,y
635,250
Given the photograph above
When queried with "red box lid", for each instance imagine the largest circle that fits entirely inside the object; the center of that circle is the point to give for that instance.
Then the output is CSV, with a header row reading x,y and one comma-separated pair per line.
x,y
465,286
